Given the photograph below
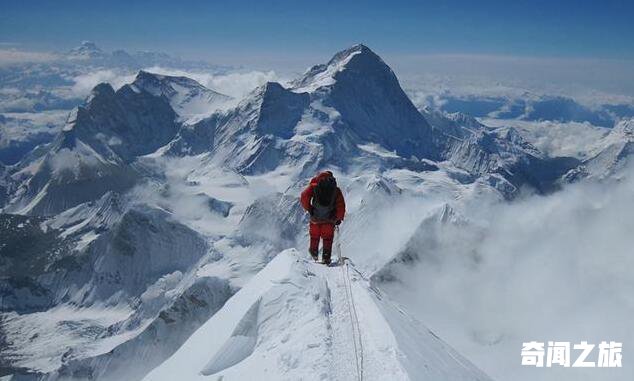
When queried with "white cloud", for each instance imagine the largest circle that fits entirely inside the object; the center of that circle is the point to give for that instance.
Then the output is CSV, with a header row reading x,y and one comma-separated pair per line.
x,y
14,56
554,267
588,81
571,139
73,160
84,83
235,84
10,91
23,126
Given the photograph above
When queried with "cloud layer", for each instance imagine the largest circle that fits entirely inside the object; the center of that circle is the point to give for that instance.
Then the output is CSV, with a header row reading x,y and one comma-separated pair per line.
x,y
544,268
84,83
236,84
571,139
588,81
15,56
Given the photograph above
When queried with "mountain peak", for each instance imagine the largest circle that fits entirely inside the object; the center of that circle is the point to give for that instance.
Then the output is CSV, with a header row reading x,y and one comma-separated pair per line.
x,y
89,45
147,81
266,93
145,74
156,83
102,90
270,88
186,96
86,50
370,101
358,58
358,49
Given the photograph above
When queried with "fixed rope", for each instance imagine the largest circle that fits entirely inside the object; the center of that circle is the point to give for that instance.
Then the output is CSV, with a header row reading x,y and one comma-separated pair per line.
x,y
352,310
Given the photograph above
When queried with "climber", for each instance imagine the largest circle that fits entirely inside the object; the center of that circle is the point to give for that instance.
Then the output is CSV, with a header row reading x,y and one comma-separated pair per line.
x,y
323,200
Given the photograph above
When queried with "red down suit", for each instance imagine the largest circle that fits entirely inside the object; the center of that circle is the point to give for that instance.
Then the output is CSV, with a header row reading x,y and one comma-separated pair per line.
x,y
323,216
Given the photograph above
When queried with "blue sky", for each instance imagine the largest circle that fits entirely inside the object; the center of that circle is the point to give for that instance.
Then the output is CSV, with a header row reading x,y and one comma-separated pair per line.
x,y
236,29
571,47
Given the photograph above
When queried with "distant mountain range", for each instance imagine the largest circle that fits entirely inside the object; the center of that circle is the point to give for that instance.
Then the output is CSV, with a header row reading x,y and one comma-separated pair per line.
x,y
535,108
158,201
89,52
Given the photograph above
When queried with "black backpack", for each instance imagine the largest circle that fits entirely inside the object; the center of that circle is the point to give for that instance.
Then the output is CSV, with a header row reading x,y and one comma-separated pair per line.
x,y
324,191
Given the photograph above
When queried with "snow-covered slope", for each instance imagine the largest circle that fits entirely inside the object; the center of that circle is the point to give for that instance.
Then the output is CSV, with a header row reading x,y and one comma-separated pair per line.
x,y
502,151
125,123
187,97
129,264
321,119
369,101
91,154
613,151
344,113
300,320
255,136
71,173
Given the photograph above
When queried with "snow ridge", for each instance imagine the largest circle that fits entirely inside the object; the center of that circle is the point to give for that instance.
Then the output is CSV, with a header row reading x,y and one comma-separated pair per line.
x,y
292,321
186,96
354,319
